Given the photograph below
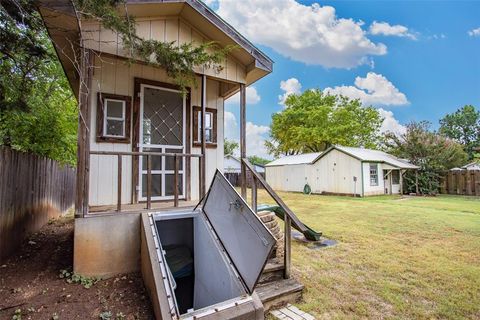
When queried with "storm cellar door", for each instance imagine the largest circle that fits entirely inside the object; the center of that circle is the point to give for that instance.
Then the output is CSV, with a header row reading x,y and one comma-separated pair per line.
x,y
211,258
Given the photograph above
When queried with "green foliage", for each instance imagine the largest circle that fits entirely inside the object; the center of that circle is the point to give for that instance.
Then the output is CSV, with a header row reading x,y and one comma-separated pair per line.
x,y
17,315
258,160
72,277
313,121
463,126
37,108
229,147
106,315
432,152
178,60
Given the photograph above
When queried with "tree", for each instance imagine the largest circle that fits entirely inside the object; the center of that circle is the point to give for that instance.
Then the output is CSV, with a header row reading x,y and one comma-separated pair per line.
x,y
258,160
464,127
229,147
432,152
37,108
313,121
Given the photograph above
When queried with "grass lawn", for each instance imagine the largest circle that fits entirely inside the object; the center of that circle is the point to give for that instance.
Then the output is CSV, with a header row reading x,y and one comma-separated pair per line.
x,y
396,258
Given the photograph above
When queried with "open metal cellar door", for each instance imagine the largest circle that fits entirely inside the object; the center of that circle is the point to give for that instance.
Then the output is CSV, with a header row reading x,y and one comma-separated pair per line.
x,y
210,259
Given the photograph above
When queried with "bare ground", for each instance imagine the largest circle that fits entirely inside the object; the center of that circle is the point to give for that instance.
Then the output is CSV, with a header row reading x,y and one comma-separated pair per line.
x,y
30,285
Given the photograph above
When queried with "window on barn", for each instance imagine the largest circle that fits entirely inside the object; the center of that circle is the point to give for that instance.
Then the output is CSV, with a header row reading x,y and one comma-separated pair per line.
x,y
396,177
113,118
374,174
210,127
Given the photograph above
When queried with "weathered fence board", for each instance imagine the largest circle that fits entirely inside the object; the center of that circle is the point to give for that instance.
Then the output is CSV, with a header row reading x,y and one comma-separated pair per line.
x,y
235,177
33,189
462,182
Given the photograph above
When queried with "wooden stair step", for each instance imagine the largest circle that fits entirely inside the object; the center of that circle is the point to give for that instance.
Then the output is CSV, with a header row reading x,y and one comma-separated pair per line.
x,y
273,271
279,293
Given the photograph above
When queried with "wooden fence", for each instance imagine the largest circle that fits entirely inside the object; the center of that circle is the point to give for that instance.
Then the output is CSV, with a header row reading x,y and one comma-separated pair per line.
x,y
235,178
33,189
462,182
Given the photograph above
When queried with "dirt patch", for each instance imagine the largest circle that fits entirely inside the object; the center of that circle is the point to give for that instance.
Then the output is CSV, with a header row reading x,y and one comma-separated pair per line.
x,y
30,284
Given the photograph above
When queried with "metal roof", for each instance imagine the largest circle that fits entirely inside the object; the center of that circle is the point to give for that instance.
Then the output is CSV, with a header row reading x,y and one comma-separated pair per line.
x,y
306,158
375,156
361,154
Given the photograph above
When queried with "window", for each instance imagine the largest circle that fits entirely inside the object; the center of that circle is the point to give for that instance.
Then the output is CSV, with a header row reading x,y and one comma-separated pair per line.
x,y
395,177
113,118
373,174
210,127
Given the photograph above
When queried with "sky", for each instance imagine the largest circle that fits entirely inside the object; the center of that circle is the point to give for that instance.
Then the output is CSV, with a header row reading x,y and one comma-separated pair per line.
x,y
413,60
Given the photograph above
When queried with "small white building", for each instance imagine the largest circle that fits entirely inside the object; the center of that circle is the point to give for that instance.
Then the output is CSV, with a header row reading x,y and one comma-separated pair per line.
x,y
339,170
471,166
232,164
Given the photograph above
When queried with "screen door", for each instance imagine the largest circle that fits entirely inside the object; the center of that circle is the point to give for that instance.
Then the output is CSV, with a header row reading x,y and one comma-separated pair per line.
x,y
162,129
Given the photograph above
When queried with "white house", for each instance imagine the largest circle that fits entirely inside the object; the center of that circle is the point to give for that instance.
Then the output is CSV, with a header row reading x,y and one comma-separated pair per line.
x,y
472,166
339,170
232,164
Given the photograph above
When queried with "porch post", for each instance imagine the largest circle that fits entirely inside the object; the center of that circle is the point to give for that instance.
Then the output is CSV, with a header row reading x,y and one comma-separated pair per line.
x,y
83,138
401,181
203,159
243,145
416,181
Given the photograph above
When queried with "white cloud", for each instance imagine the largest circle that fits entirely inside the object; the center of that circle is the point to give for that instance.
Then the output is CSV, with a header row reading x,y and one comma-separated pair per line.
x,y
384,28
290,86
255,135
390,124
252,97
474,32
374,89
312,34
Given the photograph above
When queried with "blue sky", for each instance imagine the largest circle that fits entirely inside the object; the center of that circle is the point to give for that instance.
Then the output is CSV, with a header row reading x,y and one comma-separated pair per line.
x,y
414,60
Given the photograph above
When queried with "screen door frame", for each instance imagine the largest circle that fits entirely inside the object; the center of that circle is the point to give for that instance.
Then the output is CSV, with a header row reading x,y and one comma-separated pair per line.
x,y
163,172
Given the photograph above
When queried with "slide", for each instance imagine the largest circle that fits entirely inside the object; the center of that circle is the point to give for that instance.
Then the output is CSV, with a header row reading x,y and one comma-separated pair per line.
x,y
309,233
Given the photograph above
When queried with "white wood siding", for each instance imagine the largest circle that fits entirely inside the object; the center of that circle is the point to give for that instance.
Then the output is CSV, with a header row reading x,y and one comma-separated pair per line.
x,y
288,177
335,172
115,76
369,190
171,29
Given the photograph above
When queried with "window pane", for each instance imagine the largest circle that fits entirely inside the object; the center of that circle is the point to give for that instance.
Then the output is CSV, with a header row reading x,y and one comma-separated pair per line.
x,y
115,128
156,160
114,109
373,175
208,120
169,160
169,184
156,185
208,135
163,117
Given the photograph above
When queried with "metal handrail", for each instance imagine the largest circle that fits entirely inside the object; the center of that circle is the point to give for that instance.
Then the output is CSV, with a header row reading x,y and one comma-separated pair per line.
x,y
148,155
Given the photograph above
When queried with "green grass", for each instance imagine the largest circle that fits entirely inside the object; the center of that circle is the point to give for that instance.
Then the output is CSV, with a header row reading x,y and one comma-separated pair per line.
x,y
396,258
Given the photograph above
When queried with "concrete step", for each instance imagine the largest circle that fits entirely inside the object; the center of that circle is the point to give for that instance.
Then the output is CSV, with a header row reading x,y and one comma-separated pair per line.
x,y
279,293
273,271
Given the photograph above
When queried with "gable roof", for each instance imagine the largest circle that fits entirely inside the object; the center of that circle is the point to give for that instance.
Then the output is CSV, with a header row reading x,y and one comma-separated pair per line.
x,y
63,27
366,155
472,166
306,158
